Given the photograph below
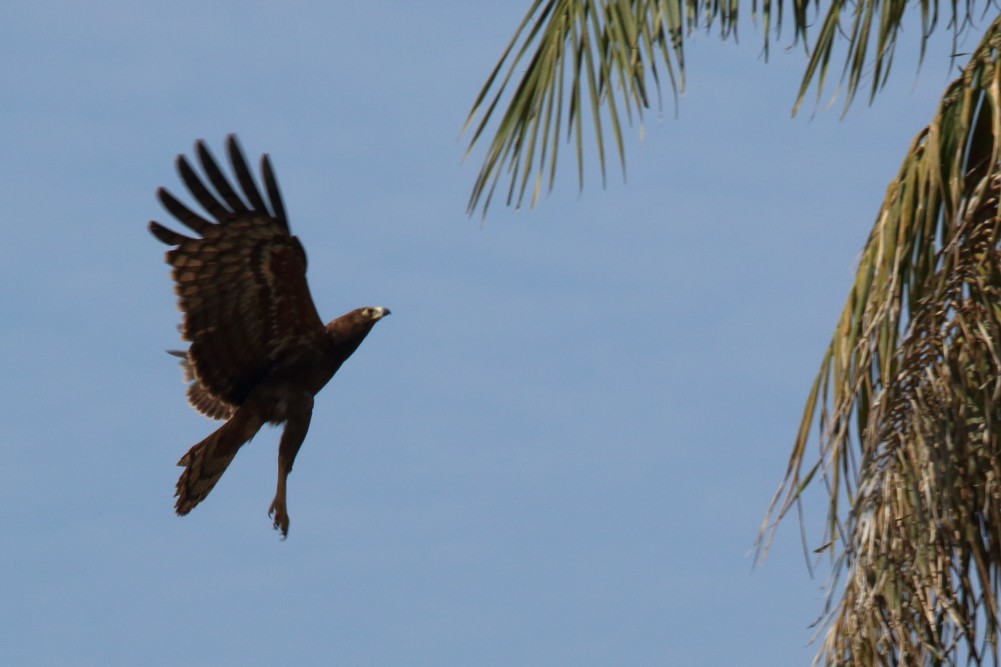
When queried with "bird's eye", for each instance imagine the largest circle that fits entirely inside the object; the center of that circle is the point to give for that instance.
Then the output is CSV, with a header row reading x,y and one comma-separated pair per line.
x,y
367,312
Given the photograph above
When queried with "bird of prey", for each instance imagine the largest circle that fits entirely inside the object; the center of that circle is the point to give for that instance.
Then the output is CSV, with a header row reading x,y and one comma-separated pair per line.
x,y
259,351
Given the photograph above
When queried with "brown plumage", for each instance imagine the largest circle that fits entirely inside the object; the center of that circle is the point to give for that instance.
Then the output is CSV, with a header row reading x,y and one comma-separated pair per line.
x,y
259,351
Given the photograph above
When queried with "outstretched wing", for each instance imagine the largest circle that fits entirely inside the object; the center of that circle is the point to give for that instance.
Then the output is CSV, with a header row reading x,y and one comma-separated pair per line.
x,y
241,281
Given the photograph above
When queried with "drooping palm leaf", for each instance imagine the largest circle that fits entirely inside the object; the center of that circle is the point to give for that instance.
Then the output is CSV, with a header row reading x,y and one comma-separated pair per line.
x,y
589,56
908,403
598,63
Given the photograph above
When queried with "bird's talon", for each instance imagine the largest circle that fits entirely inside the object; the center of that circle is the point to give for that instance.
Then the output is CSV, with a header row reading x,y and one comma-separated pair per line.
x,y
279,517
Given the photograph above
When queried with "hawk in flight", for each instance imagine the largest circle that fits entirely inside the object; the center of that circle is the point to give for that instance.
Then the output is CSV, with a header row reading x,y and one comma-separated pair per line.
x,y
259,351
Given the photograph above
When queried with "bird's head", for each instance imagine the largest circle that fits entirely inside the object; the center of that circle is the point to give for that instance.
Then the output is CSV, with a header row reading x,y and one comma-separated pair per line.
x,y
374,313
356,324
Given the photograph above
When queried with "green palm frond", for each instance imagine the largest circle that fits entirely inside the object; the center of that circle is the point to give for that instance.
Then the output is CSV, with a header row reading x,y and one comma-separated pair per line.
x,y
908,403
594,62
600,63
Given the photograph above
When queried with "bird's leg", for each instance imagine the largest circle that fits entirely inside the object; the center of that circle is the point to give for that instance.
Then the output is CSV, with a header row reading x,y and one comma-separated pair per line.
x,y
278,511
295,432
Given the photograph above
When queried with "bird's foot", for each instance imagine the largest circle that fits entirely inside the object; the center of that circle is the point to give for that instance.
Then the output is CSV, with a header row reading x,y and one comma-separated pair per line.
x,y
279,515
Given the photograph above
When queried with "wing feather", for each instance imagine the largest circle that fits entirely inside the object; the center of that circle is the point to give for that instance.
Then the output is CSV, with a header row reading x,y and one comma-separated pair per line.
x,y
168,236
274,194
241,284
185,215
243,174
204,401
199,191
218,179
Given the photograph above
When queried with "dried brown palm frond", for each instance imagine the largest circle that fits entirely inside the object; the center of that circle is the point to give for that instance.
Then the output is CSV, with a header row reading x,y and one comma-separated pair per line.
x,y
908,404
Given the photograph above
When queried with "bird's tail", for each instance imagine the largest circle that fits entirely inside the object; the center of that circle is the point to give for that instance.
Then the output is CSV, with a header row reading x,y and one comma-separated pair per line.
x,y
205,463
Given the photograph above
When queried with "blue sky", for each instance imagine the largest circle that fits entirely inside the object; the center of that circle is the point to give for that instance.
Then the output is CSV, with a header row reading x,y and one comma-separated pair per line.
x,y
559,448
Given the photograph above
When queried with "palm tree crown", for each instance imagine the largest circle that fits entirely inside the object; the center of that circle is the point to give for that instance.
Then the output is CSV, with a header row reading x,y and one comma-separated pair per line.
x,y
907,402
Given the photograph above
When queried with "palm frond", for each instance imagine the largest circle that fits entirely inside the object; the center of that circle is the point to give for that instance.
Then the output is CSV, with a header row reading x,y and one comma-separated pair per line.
x,y
908,403
605,54
612,56
870,30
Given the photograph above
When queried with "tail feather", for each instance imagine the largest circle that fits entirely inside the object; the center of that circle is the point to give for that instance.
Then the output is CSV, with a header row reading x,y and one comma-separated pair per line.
x,y
205,463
